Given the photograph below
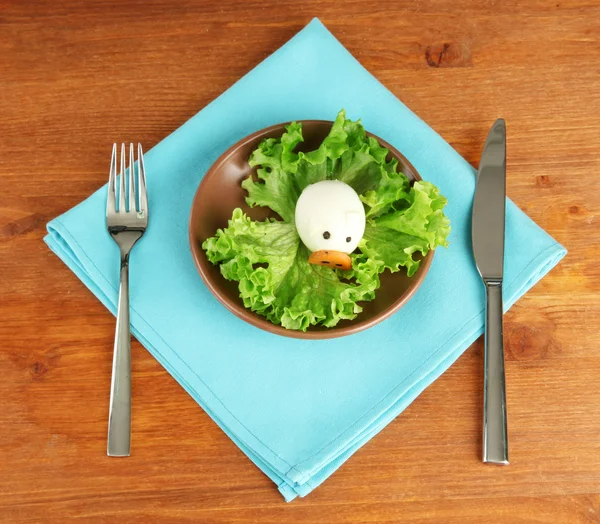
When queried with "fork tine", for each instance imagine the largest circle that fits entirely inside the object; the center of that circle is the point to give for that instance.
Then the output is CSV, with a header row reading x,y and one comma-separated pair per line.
x,y
142,181
132,199
111,202
122,207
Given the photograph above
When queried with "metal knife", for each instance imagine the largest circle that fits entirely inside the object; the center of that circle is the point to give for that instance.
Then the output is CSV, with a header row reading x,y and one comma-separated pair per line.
x,y
489,208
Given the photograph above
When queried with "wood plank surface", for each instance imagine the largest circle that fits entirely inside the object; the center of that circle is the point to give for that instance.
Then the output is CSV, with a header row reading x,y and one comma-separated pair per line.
x,y
74,76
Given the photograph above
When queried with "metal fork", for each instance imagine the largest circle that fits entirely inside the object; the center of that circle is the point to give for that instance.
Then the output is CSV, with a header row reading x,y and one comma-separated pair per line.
x,y
126,224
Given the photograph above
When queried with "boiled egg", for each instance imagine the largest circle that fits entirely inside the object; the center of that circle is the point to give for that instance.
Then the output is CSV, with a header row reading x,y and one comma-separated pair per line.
x,y
330,219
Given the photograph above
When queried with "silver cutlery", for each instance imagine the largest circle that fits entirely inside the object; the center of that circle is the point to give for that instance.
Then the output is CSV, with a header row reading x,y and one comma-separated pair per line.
x,y
489,207
126,223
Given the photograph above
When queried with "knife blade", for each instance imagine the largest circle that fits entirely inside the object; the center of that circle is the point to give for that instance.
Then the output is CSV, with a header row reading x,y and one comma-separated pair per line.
x,y
488,221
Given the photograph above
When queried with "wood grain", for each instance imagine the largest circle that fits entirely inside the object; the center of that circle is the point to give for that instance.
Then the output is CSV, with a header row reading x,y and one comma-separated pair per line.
x,y
69,74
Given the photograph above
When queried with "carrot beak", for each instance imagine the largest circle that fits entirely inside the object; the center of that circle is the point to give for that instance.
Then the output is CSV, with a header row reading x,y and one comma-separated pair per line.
x,y
333,259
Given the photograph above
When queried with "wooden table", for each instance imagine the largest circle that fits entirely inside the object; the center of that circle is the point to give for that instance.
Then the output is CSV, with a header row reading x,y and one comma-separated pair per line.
x,y
74,76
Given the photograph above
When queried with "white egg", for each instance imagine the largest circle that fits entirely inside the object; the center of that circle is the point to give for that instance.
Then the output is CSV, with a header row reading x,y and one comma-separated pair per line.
x,y
330,216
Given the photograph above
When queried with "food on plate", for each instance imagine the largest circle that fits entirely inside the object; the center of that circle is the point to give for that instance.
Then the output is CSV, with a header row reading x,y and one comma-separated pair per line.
x,y
345,215
330,219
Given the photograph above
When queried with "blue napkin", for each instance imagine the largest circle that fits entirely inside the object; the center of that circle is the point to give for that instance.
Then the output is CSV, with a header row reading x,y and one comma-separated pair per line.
x,y
297,408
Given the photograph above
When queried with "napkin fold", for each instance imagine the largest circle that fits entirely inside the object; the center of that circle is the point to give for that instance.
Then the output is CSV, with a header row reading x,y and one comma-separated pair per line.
x,y
298,409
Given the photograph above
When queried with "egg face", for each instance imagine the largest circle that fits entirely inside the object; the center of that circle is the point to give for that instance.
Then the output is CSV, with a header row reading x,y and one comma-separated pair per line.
x,y
330,216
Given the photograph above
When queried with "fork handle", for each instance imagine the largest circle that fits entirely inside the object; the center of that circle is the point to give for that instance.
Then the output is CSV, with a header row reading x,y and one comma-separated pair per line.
x,y
495,435
119,419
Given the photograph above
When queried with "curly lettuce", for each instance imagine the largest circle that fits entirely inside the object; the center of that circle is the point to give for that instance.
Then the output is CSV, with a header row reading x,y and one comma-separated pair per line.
x,y
268,259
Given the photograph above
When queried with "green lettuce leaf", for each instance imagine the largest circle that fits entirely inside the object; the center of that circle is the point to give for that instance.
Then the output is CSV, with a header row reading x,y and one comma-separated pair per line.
x,y
269,261
397,237
276,280
278,162
423,218
393,248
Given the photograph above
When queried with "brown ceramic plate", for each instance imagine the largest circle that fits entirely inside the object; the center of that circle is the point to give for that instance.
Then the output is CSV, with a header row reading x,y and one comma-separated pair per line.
x,y
220,192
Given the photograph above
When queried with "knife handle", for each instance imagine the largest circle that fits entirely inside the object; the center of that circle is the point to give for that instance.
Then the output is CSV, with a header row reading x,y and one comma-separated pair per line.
x,y
495,433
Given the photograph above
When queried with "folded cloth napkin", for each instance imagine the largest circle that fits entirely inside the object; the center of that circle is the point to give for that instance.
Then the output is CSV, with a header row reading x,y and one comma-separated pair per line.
x,y
297,408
